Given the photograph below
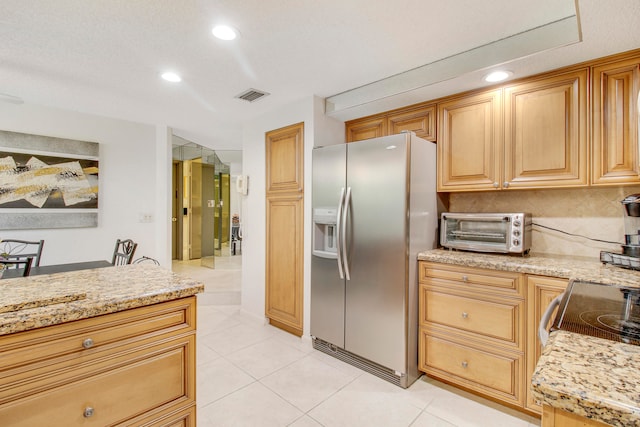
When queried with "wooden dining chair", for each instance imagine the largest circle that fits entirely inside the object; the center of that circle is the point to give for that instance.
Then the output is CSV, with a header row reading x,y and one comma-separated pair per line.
x,y
24,264
123,252
13,249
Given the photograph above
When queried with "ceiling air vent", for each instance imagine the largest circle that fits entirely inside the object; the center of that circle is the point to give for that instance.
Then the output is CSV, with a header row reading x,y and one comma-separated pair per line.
x,y
251,95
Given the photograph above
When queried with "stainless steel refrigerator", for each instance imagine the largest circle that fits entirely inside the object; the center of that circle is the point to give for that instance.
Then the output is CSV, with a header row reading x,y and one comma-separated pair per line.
x,y
374,209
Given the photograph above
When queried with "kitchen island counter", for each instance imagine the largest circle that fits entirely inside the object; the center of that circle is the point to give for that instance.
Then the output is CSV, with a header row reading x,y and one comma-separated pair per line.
x,y
579,268
590,377
39,301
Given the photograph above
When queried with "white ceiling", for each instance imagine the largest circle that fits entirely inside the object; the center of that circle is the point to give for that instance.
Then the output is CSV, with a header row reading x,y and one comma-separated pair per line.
x,y
104,56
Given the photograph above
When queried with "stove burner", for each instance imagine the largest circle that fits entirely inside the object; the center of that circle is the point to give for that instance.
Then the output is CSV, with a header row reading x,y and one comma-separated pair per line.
x,y
612,323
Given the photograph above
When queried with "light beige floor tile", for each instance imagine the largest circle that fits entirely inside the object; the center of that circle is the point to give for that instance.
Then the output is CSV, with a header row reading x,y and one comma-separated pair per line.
x,y
265,357
251,406
204,354
366,401
210,320
348,369
299,343
217,379
305,421
463,411
235,338
428,420
307,382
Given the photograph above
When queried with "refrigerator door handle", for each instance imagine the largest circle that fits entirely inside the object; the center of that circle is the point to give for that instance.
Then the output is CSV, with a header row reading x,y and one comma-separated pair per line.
x,y
343,232
339,233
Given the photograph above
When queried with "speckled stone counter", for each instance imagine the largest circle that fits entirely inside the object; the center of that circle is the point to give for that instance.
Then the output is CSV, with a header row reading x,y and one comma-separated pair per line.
x,y
39,301
591,377
585,269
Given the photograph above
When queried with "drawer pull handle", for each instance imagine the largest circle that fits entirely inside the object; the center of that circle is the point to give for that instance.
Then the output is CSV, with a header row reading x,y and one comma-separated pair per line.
x,y
465,315
88,343
88,412
464,365
465,278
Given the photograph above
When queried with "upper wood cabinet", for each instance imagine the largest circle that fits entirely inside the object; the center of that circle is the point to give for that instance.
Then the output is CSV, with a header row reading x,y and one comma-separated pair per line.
x,y
545,138
615,122
470,142
285,159
366,128
420,119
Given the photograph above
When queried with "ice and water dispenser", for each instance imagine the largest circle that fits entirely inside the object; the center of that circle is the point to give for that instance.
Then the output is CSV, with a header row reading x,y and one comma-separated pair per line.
x,y
325,243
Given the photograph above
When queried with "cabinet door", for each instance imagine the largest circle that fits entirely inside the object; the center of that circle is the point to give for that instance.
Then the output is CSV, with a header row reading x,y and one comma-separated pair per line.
x,y
546,132
285,159
615,123
542,290
366,128
284,263
470,142
421,120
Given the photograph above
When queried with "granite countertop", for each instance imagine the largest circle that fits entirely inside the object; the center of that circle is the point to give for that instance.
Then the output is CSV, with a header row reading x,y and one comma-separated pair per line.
x,y
39,301
590,377
579,268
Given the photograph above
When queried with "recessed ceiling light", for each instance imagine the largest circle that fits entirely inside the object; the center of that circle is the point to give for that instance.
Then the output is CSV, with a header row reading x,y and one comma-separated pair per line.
x,y
497,76
171,77
224,32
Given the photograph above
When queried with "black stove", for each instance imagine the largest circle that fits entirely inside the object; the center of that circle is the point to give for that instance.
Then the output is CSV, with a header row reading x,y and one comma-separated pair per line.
x,y
606,311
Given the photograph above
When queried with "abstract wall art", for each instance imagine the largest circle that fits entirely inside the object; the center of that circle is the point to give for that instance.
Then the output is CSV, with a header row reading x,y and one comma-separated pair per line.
x,y
47,182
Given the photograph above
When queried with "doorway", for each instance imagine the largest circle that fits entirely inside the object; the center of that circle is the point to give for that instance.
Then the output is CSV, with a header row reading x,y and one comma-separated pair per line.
x,y
202,202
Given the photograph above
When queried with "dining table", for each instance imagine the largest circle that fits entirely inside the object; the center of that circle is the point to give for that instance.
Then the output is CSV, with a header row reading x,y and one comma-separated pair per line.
x,y
56,268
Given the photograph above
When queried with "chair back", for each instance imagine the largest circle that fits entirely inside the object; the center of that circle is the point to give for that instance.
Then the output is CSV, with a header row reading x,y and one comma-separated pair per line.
x,y
123,252
13,249
24,264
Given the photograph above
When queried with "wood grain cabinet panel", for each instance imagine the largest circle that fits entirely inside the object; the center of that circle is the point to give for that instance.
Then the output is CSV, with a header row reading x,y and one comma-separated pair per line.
x,y
469,146
284,262
133,374
545,137
285,159
541,291
615,88
366,128
421,120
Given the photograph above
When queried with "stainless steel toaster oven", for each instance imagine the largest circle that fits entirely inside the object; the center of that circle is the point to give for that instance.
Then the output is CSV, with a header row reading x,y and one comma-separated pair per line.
x,y
508,233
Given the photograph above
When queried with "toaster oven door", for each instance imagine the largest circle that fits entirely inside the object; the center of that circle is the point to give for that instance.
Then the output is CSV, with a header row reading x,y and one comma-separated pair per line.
x,y
480,233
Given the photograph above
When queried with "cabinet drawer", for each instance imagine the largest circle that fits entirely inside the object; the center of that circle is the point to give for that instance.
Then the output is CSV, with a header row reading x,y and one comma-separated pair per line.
x,y
147,380
498,281
487,372
489,318
113,329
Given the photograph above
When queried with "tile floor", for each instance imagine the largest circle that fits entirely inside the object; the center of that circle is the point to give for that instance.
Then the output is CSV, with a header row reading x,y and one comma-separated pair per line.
x,y
250,374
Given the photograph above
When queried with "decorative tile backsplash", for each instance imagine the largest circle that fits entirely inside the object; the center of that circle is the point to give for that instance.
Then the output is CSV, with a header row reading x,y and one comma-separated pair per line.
x,y
592,212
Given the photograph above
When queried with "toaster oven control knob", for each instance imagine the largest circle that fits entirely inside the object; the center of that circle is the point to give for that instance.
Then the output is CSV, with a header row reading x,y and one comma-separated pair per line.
x,y
516,233
516,223
516,242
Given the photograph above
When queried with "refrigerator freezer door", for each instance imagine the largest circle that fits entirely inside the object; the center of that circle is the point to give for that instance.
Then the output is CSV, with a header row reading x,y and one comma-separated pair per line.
x,y
377,235
327,288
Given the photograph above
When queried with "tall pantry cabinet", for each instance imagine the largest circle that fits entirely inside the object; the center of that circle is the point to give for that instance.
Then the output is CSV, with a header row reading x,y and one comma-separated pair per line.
x,y
285,227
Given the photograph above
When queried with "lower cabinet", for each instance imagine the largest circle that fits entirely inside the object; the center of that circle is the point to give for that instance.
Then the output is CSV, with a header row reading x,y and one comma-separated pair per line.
x,y
134,368
478,329
552,417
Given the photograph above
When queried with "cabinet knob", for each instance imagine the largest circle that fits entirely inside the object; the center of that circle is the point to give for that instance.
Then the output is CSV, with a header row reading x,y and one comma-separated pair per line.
x,y
465,278
88,343
464,365
88,412
505,185
465,315
496,185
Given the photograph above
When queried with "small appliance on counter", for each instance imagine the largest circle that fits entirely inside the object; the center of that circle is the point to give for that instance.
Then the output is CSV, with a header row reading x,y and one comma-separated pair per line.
x,y
606,311
508,233
630,256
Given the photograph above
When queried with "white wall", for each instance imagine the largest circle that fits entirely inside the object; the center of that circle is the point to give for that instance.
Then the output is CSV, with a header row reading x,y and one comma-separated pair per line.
x,y
134,158
318,130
